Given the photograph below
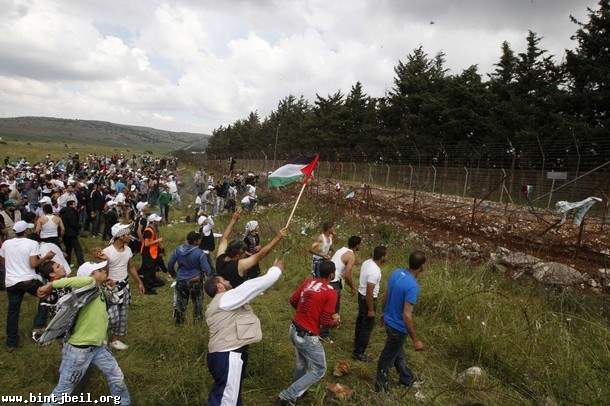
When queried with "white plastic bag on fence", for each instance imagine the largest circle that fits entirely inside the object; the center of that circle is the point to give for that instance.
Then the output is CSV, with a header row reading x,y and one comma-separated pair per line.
x,y
583,207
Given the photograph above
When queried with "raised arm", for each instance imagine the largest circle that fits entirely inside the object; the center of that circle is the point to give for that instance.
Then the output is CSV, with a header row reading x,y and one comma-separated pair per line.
x,y
244,264
224,240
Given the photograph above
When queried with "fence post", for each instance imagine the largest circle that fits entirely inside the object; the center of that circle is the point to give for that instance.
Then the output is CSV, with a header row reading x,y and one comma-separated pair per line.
x,y
341,175
387,175
410,176
465,182
503,185
354,173
434,179
370,179
548,204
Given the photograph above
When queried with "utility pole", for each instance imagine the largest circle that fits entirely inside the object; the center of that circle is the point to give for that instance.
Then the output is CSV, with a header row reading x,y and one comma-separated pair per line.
x,y
277,130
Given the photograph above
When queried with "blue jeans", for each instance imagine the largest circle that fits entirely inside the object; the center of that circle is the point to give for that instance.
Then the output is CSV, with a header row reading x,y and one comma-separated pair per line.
x,y
393,354
310,364
75,362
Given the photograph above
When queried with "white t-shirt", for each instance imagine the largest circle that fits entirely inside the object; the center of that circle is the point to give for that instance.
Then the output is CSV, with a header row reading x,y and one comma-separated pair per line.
x,y
117,262
339,265
16,253
369,273
59,255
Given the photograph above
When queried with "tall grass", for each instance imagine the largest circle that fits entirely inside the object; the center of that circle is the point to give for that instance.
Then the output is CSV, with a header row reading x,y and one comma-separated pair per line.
x,y
532,343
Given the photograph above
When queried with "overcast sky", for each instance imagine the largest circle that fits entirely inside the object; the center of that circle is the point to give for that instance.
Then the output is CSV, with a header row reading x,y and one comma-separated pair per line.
x,y
191,65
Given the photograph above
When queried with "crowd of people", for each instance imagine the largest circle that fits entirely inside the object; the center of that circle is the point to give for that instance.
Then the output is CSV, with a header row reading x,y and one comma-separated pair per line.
x,y
48,206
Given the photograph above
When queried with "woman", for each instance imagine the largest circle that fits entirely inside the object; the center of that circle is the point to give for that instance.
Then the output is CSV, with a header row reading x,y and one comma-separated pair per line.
x,y
252,240
49,226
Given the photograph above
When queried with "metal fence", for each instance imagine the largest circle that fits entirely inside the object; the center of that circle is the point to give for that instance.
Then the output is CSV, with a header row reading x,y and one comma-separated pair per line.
x,y
539,188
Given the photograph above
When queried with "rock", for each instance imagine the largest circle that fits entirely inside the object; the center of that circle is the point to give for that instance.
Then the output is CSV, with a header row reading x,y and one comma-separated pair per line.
x,y
554,273
547,401
515,259
593,283
338,391
470,376
603,273
341,368
496,267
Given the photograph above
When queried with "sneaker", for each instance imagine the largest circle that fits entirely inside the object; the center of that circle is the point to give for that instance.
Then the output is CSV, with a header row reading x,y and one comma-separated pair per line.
x,y
362,357
36,334
118,345
282,402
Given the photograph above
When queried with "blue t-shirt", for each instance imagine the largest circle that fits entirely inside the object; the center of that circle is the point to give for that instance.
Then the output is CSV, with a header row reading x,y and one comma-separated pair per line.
x,y
402,288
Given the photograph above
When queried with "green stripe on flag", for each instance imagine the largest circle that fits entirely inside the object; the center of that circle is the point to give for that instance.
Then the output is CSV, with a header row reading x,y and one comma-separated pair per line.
x,y
283,181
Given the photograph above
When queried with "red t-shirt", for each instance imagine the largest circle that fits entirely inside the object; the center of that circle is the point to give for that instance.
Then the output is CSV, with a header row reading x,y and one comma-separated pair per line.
x,y
315,302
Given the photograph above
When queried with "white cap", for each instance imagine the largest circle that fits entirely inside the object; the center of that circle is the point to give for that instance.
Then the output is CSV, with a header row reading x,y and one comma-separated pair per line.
x,y
154,217
20,226
88,268
111,203
210,187
119,229
201,219
140,206
45,200
133,187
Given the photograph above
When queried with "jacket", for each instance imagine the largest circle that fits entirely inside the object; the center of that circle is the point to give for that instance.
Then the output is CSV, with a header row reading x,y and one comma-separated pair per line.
x,y
192,262
71,222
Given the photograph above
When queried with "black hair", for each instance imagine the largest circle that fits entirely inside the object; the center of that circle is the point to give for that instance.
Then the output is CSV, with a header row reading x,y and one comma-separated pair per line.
x,y
193,237
47,209
327,226
353,241
45,269
209,285
235,247
326,269
29,217
379,252
416,260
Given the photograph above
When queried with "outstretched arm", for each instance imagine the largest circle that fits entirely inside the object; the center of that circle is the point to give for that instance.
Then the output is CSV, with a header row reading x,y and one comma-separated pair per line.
x,y
244,264
244,293
224,240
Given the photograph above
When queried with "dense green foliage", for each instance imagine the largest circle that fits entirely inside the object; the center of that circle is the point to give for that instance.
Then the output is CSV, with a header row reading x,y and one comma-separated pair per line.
x,y
528,103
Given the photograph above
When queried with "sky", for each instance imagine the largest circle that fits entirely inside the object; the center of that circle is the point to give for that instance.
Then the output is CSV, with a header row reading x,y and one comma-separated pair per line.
x,y
193,65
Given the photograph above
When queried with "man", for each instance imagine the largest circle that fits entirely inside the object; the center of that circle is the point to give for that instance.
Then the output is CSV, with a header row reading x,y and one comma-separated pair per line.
x,y
231,261
193,268
120,266
321,248
67,196
368,290
86,344
151,253
111,217
9,216
221,195
139,224
399,300
344,260
315,301
233,327
20,258
70,218
97,203
165,198
207,200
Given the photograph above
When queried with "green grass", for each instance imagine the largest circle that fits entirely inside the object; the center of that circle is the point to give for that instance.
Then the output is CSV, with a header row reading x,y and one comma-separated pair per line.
x,y
533,343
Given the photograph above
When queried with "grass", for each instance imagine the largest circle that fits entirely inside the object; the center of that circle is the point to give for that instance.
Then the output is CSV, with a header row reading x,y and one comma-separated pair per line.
x,y
532,343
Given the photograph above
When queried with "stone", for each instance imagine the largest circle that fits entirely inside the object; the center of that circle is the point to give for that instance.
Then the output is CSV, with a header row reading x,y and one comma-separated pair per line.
x,y
470,376
593,283
554,273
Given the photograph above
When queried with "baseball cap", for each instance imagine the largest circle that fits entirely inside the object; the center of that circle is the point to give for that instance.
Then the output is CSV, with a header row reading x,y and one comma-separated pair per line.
x,y
140,206
20,226
119,229
88,268
154,217
45,200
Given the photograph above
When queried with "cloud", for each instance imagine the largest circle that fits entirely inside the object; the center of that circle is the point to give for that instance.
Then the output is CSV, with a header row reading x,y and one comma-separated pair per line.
x,y
192,65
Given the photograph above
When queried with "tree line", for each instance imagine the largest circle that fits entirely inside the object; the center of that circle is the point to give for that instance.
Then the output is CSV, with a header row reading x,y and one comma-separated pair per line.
x,y
530,110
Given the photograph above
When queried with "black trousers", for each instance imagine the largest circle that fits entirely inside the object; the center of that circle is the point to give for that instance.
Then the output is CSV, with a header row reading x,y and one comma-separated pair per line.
x,y
73,244
15,295
364,326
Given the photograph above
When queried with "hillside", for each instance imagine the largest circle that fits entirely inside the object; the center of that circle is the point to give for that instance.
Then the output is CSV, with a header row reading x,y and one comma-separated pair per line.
x,y
99,133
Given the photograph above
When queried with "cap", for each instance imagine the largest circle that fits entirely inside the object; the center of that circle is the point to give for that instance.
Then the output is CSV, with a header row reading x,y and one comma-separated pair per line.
x,y
20,226
88,268
154,217
45,200
141,205
119,230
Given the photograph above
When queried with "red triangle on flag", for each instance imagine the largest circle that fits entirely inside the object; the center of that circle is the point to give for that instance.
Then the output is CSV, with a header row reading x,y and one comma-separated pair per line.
x,y
308,170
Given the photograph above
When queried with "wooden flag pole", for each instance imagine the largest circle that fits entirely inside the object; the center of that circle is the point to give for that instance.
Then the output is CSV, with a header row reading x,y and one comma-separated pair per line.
x,y
297,202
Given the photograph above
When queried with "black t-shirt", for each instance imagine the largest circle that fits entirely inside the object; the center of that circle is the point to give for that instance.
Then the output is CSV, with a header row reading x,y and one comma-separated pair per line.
x,y
228,270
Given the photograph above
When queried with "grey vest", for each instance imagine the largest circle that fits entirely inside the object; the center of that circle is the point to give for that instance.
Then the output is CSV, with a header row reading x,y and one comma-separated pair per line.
x,y
231,329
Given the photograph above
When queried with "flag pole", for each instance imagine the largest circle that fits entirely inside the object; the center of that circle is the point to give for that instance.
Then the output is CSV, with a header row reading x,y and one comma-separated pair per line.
x,y
297,202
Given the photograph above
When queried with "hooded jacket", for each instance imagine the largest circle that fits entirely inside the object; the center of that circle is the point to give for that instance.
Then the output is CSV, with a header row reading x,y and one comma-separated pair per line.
x,y
192,262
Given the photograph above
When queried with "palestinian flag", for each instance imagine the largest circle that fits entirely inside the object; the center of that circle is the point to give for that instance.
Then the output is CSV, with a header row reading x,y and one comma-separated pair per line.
x,y
296,170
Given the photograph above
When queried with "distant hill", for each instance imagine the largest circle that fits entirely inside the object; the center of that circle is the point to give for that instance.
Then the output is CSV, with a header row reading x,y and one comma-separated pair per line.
x,y
100,133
